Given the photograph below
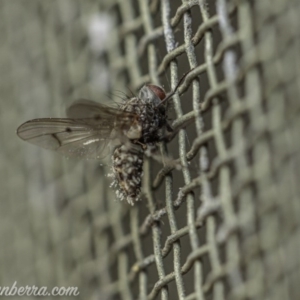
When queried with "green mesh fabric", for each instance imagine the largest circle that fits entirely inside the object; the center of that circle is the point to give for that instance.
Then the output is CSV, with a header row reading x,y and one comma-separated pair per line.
x,y
223,226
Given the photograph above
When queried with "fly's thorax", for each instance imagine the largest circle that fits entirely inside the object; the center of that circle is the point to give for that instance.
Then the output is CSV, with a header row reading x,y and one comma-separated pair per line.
x,y
154,116
151,116
135,131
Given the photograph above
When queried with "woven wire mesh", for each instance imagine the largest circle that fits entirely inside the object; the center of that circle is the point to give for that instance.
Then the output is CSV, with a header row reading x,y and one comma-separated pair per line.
x,y
225,226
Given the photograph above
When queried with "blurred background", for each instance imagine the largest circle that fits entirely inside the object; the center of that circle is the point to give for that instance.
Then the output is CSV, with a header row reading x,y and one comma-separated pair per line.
x,y
225,226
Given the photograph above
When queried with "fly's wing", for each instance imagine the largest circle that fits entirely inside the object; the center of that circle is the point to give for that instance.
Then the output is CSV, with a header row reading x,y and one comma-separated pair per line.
x,y
86,137
87,109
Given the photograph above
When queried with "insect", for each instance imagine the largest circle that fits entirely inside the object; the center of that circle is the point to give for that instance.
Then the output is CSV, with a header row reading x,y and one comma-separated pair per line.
x,y
90,127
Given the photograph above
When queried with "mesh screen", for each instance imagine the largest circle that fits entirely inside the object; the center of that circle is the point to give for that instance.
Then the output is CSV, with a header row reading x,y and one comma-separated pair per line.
x,y
225,225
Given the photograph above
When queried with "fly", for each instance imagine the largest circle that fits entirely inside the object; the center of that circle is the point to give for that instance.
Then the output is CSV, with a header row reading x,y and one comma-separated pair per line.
x,y
135,126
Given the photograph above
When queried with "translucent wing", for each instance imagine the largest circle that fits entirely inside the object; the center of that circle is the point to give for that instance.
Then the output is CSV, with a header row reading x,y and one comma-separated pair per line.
x,y
79,137
82,109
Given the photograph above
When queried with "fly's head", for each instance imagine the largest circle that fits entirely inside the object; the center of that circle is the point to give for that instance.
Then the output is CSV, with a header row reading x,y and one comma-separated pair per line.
x,y
152,94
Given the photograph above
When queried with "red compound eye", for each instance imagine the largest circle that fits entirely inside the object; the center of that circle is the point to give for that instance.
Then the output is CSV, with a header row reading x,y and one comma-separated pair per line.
x,y
158,91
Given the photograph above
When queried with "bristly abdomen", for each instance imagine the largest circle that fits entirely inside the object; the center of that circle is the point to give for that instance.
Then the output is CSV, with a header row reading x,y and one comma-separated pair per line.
x,y
127,172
